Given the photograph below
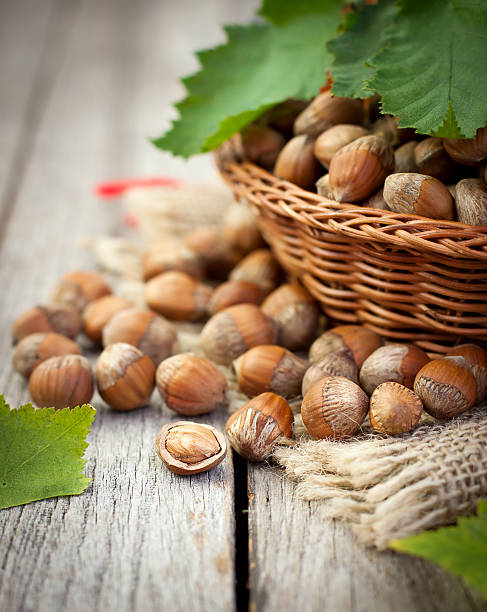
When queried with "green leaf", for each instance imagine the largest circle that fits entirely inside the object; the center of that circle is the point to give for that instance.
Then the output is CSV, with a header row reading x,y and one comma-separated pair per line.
x,y
461,549
279,11
41,452
362,37
432,72
260,66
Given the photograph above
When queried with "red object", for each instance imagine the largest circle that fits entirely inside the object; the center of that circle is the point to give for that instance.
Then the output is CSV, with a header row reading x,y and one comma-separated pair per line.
x,y
112,189
329,83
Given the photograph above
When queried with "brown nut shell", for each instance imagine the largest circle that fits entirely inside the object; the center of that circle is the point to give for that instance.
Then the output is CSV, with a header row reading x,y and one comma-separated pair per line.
x,y
333,139
404,157
418,194
446,387
216,252
392,363
178,296
476,358
326,110
164,257
124,376
191,385
431,158
394,409
78,288
234,292
338,363
359,169
190,448
240,229
262,144
146,330
61,320
358,341
63,381
470,151
323,187
36,348
296,162
334,407
269,368
99,312
255,428
471,201
259,267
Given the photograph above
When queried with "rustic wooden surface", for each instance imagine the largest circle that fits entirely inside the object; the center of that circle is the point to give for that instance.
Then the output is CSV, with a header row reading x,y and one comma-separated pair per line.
x,y
83,83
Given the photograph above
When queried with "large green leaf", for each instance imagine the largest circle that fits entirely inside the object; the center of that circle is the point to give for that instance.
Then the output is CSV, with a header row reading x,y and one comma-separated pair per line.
x,y
41,452
432,72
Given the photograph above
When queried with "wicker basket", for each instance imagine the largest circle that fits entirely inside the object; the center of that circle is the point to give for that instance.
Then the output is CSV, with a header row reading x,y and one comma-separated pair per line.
x,y
406,277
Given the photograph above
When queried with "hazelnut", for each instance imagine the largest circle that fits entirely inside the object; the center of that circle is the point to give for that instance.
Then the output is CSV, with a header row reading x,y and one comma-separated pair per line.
x,y
61,320
386,128
124,376
334,407
297,163
471,201
469,151
377,201
97,314
476,358
418,194
164,257
446,387
394,362
232,331
326,110
35,348
62,381
282,116
259,267
234,292
214,250
358,169
358,341
146,330
178,296
191,385
190,448
431,158
269,368
240,229
404,157
334,138
337,363
77,289
296,313
323,187
262,144
255,428
394,409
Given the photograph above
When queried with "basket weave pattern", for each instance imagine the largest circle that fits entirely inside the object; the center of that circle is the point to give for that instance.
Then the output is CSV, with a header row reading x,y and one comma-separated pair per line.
x,y
404,276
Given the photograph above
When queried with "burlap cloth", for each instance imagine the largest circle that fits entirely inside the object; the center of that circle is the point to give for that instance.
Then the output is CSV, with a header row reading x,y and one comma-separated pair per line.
x,y
385,487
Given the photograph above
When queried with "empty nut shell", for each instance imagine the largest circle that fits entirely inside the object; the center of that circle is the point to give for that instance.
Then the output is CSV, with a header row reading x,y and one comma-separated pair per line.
x,y
255,428
394,409
234,292
356,340
61,382
36,348
97,314
124,376
476,358
190,448
446,387
78,288
418,194
297,163
61,320
191,385
178,296
471,201
334,407
339,363
326,110
259,267
334,138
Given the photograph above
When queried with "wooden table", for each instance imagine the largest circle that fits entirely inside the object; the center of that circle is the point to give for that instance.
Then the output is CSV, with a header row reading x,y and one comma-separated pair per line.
x,y
83,84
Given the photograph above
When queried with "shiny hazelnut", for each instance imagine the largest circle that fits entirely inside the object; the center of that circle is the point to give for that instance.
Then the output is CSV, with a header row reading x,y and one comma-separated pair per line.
x,y
404,157
394,409
164,257
78,288
469,151
269,368
259,267
337,363
234,292
334,138
178,296
191,385
255,428
262,144
358,341
471,201
124,376
297,163
61,320
190,448
296,313
431,158
97,314
359,169
232,331
326,110
61,382
334,407
36,348
476,358
418,194
146,330
446,387
240,229
394,362
216,252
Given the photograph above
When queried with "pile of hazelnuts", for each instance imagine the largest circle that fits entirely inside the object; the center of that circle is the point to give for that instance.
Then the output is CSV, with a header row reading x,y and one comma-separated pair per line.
x,y
354,154
268,330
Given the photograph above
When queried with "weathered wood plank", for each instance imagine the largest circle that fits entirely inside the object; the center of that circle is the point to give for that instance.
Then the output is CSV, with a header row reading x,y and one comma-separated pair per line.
x,y
299,561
